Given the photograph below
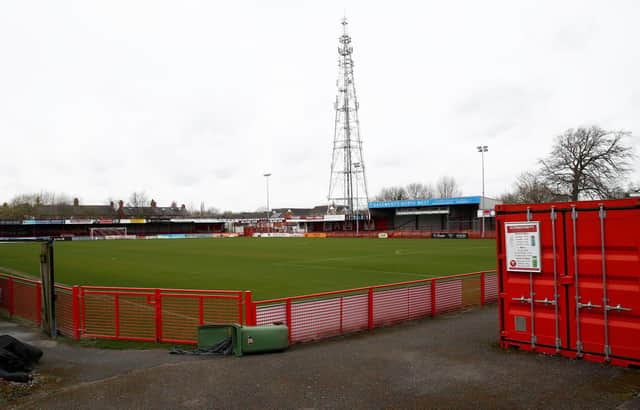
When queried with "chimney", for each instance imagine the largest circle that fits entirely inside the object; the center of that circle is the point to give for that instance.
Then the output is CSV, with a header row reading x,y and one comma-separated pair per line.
x,y
76,202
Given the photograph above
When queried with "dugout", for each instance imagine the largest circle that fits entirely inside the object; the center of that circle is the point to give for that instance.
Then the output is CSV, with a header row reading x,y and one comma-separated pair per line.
x,y
437,214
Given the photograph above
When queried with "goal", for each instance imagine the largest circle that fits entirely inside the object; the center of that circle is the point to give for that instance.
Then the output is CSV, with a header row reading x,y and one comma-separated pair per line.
x,y
108,233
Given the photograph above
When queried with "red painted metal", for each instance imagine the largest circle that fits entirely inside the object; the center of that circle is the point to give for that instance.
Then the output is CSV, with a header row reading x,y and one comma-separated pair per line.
x,y
173,315
249,309
327,314
586,300
25,300
165,315
64,311
157,302
75,292
39,304
433,299
289,316
11,298
370,309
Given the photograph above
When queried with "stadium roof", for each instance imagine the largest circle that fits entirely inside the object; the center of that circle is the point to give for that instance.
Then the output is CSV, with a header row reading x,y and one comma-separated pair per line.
x,y
464,200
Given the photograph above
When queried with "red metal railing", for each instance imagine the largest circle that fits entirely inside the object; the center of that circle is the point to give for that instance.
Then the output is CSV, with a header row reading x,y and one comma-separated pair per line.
x,y
322,315
20,297
173,315
163,315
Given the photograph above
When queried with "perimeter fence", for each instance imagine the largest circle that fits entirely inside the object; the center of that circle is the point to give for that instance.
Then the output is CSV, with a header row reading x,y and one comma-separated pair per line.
x,y
174,315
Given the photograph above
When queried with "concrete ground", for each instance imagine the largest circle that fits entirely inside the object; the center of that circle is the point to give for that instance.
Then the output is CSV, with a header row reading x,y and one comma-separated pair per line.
x,y
451,361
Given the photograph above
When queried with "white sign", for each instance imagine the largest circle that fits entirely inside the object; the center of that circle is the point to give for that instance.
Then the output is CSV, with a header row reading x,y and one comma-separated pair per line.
x,y
486,213
522,240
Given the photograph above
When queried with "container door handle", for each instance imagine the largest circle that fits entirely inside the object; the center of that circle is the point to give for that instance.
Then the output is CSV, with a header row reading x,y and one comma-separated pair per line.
x,y
588,305
522,299
546,301
618,308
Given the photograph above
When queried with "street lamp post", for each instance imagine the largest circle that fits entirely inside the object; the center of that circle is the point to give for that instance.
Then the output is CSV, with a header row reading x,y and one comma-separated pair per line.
x,y
482,149
266,176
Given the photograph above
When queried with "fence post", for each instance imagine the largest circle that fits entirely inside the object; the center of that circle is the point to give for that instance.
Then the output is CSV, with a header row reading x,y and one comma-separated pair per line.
x,y
12,307
117,313
158,303
370,308
482,278
83,308
433,298
249,309
39,303
341,313
289,324
75,309
201,311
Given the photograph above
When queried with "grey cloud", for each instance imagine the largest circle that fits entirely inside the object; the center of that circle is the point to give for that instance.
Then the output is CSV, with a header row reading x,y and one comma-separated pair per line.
x,y
224,172
575,37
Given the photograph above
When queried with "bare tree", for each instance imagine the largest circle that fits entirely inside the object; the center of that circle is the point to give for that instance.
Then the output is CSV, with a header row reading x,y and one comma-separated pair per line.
x,y
588,163
138,200
417,190
447,187
531,188
394,193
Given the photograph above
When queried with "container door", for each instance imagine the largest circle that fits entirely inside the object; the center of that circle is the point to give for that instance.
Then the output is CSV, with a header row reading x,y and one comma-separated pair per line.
x,y
603,247
533,301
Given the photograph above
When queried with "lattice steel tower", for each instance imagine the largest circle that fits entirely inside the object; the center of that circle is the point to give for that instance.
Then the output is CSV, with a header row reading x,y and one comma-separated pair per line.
x,y
348,182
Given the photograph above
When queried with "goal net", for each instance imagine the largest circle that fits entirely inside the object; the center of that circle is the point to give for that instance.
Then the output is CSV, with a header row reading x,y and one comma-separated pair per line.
x,y
108,233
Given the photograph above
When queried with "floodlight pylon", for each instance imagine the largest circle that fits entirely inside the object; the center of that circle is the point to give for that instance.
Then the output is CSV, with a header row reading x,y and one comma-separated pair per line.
x,y
348,190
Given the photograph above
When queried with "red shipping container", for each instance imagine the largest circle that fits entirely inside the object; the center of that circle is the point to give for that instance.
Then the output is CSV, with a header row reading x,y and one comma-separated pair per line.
x,y
569,279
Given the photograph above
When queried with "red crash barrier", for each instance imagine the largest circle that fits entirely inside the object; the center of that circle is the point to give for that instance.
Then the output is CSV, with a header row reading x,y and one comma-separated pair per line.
x,y
20,297
323,315
173,315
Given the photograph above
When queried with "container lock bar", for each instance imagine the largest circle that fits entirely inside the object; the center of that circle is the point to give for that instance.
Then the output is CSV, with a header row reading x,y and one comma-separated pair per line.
x,y
546,301
588,305
533,315
605,299
522,299
574,218
555,280
618,307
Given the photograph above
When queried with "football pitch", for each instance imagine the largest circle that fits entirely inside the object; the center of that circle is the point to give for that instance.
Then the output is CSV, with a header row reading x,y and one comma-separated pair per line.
x,y
270,267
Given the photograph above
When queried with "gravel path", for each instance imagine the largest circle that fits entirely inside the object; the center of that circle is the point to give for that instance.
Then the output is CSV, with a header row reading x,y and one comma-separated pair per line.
x,y
451,361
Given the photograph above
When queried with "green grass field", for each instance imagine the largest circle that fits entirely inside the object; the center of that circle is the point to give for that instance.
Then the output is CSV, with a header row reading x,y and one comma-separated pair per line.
x,y
271,268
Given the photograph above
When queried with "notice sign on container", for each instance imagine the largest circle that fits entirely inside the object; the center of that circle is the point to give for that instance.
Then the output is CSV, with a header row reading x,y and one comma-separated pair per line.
x,y
522,240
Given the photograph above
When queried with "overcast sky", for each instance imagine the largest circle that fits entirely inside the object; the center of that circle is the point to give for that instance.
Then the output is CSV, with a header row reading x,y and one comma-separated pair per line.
x,y
194,100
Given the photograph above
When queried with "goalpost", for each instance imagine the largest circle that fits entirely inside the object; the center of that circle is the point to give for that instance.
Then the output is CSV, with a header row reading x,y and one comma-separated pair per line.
x,y
108,233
